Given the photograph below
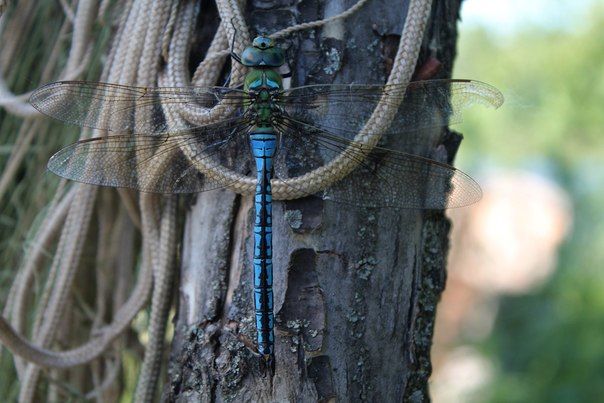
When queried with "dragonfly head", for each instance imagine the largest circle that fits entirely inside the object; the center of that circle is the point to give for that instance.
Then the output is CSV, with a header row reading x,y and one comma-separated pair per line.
x,y
263,42
263,54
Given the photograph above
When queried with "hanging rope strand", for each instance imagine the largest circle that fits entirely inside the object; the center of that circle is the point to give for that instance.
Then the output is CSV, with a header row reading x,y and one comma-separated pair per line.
x,y
319,23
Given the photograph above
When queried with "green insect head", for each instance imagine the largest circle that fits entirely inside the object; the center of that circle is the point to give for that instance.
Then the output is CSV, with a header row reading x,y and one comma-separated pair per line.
x,y
263,53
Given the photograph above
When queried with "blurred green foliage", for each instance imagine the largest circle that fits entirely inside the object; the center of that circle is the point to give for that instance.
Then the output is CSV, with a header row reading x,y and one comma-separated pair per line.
x,y
554,87
547,346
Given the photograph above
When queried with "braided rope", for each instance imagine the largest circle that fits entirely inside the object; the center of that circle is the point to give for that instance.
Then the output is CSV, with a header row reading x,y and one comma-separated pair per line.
x,y
65,264
69,250
368,136
96,346
319,23
160,304
219,54
77,60
159,238
93,348
15,307
125,72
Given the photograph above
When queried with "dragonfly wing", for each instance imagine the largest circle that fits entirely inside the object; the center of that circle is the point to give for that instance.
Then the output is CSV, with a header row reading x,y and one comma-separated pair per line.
x,y
345,109
155,163
383,178
122,108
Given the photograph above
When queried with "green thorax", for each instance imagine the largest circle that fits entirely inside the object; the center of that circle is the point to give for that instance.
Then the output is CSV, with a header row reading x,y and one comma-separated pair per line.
x,y
262,81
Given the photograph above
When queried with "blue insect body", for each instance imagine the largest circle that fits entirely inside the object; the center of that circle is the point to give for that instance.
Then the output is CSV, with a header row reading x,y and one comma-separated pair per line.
x,y
263,147
263,82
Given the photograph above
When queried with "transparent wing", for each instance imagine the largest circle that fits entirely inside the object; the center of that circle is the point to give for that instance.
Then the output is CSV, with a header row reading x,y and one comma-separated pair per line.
x,y
383,178
344,109
126,109
158,164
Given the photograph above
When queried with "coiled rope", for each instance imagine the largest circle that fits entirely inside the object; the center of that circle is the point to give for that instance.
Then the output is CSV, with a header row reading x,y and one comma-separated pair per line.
x,y
366,139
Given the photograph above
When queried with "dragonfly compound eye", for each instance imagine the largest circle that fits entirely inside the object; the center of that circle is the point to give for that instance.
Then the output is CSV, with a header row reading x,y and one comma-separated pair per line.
x,y
263,54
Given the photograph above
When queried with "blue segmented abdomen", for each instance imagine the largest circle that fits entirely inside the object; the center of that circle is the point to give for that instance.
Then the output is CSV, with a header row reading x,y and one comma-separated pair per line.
x,y
263,148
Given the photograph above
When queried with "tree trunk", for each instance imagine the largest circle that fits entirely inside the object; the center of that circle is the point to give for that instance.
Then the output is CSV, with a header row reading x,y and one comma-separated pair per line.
x,y
355,290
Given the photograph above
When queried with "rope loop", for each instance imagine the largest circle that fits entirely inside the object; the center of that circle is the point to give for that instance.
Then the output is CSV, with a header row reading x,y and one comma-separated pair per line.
x,y
368,136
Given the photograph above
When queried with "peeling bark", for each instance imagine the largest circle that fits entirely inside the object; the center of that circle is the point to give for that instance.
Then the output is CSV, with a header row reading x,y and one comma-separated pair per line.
x,y
355,289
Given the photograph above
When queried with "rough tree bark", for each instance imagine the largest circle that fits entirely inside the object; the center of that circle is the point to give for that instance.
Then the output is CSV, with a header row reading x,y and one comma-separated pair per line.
x,y
355,290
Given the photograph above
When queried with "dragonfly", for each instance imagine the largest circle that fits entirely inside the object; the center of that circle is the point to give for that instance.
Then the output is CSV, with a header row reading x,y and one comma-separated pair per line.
x,y
193,139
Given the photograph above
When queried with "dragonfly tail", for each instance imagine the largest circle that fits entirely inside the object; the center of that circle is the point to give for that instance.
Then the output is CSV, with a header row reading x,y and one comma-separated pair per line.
x,y
263,146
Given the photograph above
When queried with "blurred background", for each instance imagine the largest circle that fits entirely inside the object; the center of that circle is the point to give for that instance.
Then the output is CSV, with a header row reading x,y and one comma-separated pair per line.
x,y
522,317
